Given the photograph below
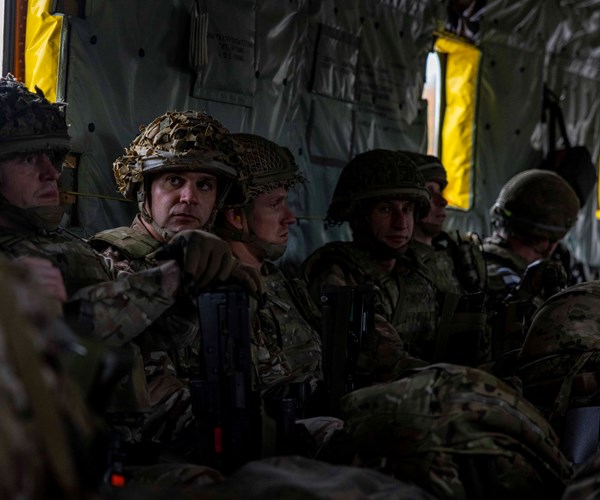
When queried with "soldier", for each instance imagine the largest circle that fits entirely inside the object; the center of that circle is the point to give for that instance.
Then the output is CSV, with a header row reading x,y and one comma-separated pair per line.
x,y
456,259
288,348
47,433
533,212
381,194
180,167
33,143
455,262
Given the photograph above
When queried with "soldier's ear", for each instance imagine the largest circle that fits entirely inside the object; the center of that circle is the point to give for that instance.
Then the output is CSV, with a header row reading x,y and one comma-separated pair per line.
x,y
234,217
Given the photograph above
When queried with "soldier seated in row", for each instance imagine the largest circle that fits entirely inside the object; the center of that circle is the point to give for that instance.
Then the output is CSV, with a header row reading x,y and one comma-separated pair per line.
x,y
456,266
180,168
533,212
257,230
381,194
33,143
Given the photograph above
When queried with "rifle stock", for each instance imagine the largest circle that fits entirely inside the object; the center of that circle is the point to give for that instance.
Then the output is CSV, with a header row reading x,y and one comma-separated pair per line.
x,y
348,317
225,407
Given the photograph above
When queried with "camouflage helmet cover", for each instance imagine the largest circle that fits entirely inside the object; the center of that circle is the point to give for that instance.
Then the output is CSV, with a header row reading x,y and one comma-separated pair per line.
x,y
430,167
377,174
266,166
563,328
537,202
29,122
187,140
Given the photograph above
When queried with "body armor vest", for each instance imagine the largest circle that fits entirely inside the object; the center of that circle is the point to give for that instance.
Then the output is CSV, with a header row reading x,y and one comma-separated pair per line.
x,y
79,265
406,296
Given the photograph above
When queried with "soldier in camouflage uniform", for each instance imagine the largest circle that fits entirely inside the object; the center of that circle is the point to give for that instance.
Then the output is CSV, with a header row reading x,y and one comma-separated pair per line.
x,y
33,144
381,194
455,261
179,168
534,210
287,346
454,269
285,340
47,432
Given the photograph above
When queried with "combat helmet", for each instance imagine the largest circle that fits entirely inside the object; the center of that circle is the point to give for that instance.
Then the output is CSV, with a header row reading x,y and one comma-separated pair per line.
x,y
184,141
430,167
266,166
377,175
30,123
538,203
563,340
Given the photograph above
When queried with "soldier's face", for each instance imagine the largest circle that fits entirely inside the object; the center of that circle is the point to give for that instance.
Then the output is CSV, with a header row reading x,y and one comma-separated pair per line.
x,y
30,180
182,200
271,217
392,222
432,223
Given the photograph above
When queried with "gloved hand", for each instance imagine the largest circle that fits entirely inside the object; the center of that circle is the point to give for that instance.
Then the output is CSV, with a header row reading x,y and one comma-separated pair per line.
x,y
542,278
206,259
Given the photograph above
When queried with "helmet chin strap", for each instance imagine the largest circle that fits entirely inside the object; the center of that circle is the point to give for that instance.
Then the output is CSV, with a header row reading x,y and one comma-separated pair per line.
x,y
165,234
271,251
40,218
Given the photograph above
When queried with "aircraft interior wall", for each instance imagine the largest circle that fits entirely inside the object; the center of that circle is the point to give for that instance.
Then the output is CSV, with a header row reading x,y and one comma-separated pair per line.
x,y
328,79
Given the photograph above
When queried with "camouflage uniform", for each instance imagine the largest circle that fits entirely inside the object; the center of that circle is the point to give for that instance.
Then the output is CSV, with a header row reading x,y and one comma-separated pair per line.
x,y
287,346
171,345
287,335
457,432
558,361
456,267
534,206
48,433
405,307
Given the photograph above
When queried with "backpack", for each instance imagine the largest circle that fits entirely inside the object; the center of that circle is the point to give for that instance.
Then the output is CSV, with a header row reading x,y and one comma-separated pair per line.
x,y
457,432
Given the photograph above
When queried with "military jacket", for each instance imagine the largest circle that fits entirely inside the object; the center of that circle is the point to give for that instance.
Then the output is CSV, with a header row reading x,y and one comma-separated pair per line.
x,y
282,323
169,345
46,429
506,319
457,268
455,263
115,309
504,268
406,306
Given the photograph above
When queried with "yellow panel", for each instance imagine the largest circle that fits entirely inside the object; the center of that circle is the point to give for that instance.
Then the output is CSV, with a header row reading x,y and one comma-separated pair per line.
x,y
462,66
42,48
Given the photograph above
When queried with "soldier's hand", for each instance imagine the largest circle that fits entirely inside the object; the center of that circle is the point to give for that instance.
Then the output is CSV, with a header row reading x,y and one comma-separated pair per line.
x,y
204,259
44,273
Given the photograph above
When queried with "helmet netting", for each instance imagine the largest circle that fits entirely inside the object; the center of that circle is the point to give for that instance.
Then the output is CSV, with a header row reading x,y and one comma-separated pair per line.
x,y
266,166
29,122
189,140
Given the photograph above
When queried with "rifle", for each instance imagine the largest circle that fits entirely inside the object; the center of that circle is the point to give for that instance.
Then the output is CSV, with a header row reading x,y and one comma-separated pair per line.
x,y
226,409
348,320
